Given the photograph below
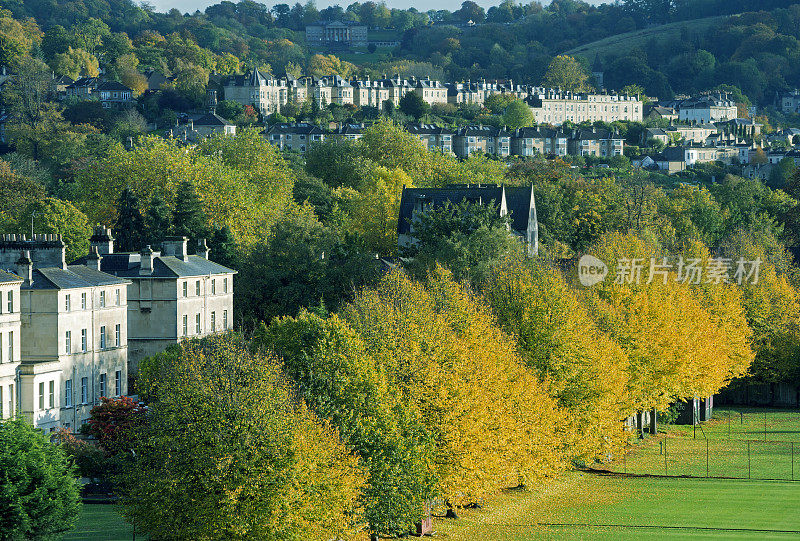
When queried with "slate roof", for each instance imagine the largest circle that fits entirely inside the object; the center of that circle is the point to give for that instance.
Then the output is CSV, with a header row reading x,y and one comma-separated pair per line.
x,y
126,265
428,129
73,277
8,278
113,86
517,199
482,131
212,119
294,127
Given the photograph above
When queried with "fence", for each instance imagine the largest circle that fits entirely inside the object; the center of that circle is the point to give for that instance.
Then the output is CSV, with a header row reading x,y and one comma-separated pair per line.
x,y
740,444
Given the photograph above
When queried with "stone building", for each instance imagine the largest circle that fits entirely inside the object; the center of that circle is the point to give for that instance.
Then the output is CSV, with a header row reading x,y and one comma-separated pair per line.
x,y
171,295
555,107
336,33
73,335
10,333
708,108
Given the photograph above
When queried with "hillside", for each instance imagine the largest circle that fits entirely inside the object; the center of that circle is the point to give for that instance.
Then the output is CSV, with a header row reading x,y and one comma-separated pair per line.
x,y
612,45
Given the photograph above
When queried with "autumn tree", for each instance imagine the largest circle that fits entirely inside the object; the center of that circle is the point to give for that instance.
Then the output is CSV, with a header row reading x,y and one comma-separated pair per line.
x,y
342,382
566,73
249,462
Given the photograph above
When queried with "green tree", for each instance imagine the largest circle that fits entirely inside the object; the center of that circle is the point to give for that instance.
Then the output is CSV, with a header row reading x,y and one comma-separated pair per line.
x,y
38,491
518,115
158,221
74,63
129,228
566,73
413,105
60,218
248,462
188,217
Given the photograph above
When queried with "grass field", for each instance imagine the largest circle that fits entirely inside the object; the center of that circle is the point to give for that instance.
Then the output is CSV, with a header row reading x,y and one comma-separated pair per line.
x,y
101,523
591,506
637,38
741,443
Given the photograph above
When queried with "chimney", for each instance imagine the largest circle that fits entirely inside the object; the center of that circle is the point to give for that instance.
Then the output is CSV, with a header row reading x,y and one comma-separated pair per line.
x,y
202,248
93,259
25,267
102,240
176,246
146,266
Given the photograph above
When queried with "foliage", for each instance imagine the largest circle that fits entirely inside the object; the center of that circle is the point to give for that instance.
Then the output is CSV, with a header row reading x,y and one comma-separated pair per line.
x,y
38,492
566,73
112,421
248,462
54,216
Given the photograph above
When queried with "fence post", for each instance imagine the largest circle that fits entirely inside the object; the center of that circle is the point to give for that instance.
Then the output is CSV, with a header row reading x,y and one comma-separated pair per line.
x,y
665,456
792,461
707,457
729,425
748,460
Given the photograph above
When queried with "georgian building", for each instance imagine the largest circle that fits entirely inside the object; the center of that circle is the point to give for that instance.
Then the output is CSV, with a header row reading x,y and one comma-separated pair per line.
x,y
264,92
171,294
486,139
555,107
595,142
299,136
337,33
73,333
707,108
10,333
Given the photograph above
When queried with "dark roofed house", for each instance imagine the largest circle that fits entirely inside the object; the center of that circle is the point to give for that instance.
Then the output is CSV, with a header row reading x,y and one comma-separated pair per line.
x,y
211,123
297,136
519,202
114,94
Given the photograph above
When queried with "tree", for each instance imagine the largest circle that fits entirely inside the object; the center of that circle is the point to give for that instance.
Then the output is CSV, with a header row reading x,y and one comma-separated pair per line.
x,y
16,41
188,218
75,63
341,382
158,222
129,228
566,73
413,105
248,462
51,215
112,421
16,193
38,491
518,115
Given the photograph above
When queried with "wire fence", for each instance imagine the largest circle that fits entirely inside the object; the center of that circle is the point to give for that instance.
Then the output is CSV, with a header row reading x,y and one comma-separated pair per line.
x,y
738,444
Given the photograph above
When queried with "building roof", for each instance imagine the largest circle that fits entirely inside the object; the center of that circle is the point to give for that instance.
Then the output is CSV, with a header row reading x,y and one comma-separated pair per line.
x,y
128,264
212,119
483,131
305,128
113,86
8,277
517,201
72,277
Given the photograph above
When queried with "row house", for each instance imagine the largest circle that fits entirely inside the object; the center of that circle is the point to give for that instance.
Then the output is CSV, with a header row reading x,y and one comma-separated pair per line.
x,y
291,136
263,91
10,335
595,142
708,108
476,92
433,137
546,141
468,140
369,93
171,294
109,93
72,341
555,107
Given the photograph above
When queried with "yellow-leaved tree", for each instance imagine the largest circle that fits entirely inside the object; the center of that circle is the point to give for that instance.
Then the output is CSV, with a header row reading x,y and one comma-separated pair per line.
x,y
583,369
493,422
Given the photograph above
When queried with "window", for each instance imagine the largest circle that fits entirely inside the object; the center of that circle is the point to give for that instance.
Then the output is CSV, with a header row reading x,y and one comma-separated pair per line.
x,y
197,288
186,289
10,302
84,390
11,400
116,296
102,385
84,337
83,301
41,395
68,342
118,383
213,321
68,393
11,346
197,324
102,299
117,335
52,395
1,349
213,286
225,320
185,325
103,337
67,303
225,285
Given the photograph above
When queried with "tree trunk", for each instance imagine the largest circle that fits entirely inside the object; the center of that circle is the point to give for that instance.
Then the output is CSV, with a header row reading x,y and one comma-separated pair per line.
x,y
653,423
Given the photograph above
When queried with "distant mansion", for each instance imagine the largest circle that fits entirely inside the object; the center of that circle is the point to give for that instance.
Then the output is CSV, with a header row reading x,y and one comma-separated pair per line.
x,y
337,33
70,334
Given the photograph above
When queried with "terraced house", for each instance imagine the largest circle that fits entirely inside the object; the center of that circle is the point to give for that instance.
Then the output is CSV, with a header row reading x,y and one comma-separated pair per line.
x,y
72,341
10,333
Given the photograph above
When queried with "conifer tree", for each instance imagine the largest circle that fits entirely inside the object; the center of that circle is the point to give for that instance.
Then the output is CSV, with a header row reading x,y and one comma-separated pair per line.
x,y
188,217
158,220
129,228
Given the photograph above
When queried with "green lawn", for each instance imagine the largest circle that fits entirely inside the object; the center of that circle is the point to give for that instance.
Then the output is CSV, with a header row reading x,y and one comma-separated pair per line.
x,y
101,523
591,506
720,447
